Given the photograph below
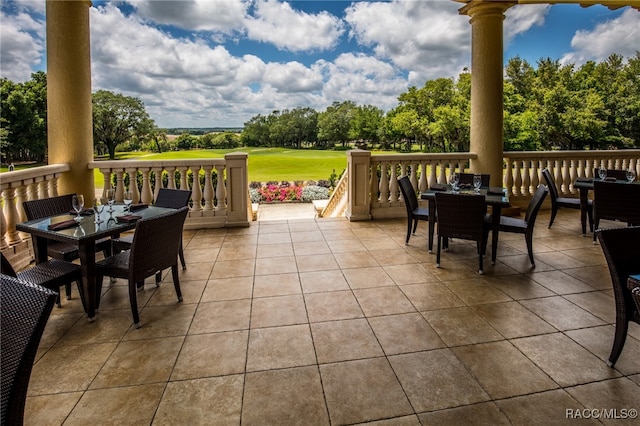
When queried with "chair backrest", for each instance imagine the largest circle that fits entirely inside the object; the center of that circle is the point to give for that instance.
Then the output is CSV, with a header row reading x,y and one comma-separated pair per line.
x,y
467,179
52,206
156,243
618,174
24,314
616,200
408,194
461,215
622,251
172,198
551,184
6,267
534,205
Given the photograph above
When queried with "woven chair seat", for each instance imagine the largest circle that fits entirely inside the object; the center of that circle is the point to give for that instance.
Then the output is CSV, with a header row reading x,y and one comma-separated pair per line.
x,y
24,314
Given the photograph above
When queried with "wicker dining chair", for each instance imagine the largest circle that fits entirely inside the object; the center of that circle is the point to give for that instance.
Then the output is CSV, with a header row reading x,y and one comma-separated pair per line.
x,y
51,274
567,202
154,248
615,201
25,309
462,216
525,226
53,206
169,198
622,251
467,179
415,213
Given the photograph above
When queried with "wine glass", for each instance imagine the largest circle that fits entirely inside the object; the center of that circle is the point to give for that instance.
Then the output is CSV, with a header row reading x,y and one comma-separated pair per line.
x,y
477,183
128,199
455,181
111,197
98,208
78,204
602,173
631,175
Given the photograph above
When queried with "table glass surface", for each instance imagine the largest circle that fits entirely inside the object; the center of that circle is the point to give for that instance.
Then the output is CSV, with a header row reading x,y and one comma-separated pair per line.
x,y
87,228
587,183
491,194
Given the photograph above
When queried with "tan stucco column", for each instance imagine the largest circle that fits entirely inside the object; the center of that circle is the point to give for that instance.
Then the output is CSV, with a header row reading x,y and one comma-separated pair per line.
x,y
487,86
69,119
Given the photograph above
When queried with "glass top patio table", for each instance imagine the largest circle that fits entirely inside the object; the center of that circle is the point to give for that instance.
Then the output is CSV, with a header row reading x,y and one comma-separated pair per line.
x,y
493,196
85,235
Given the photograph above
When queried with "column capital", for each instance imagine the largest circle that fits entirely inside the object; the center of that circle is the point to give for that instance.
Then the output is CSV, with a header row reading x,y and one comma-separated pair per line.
x,y
479,8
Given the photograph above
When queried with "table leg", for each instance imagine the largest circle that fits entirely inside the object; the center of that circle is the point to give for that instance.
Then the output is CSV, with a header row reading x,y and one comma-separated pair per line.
x,y
432,223
88,267
39,248
583,209
495,228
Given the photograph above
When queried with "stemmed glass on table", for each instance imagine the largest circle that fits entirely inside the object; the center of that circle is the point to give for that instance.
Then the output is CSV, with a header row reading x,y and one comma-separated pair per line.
x,y
455,182
602,173
77,202
128,199
477,183
111,198
98,208
631,175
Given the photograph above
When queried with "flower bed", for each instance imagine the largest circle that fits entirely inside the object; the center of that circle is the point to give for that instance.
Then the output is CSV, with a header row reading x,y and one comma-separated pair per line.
x,y
274,192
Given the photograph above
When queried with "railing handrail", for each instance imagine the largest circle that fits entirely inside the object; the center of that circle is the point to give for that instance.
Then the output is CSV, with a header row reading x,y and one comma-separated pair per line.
x,y
122,164
8,179
609,153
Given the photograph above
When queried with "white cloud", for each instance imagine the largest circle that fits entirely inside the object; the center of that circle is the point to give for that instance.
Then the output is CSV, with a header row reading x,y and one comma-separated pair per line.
x,y
620,35
22,43
197,15
278,23
429,38
519,19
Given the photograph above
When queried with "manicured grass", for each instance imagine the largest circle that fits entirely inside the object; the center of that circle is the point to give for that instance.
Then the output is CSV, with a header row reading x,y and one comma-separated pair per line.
x,y
265,164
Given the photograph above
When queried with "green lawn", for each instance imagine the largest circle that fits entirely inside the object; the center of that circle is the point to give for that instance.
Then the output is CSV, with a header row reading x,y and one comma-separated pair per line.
x,y
265,164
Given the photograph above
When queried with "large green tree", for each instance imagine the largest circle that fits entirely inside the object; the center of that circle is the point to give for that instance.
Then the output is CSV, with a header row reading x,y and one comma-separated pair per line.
x,y
117,119
24,118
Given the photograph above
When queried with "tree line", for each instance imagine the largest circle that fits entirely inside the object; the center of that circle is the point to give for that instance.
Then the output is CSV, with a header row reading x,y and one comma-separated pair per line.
x,y
549,106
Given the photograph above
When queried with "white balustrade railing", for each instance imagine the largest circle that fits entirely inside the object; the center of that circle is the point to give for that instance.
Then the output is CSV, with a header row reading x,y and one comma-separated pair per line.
x,y
522,175
338,201
219,189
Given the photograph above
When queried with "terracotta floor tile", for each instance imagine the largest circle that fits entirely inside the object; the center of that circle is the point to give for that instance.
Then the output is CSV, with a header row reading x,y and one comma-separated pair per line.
x,y
461,326
280,347
332,305
405,333
215,354
344,340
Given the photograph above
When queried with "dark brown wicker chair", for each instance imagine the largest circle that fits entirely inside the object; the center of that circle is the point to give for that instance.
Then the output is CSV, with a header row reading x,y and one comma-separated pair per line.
x,y
525,226
50,274
567,202
155,247
622,251
24,311
467,179
169,198
462,216
615,201
618,174
53,206
414,211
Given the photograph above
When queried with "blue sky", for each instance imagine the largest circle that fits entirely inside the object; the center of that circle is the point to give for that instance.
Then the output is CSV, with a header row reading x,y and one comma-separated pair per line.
x,y
206,63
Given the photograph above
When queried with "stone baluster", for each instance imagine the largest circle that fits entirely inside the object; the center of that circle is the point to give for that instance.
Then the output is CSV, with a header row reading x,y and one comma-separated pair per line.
x,y
384,184
21,197
508,177
393,183
208,189
53,186
133,184
3,228
432,174
146,196
517,182
183,177
107,184
43,189
157,172
11,216
119,185
526,178
196,191
573,175
535,177
566,178
221,191
171,184
422,183
374,182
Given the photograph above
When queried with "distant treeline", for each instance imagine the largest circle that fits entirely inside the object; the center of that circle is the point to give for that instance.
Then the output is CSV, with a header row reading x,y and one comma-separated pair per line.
x,y
197,131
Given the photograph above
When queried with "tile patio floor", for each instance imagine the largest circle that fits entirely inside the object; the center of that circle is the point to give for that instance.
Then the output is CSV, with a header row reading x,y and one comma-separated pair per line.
x,y
326,322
